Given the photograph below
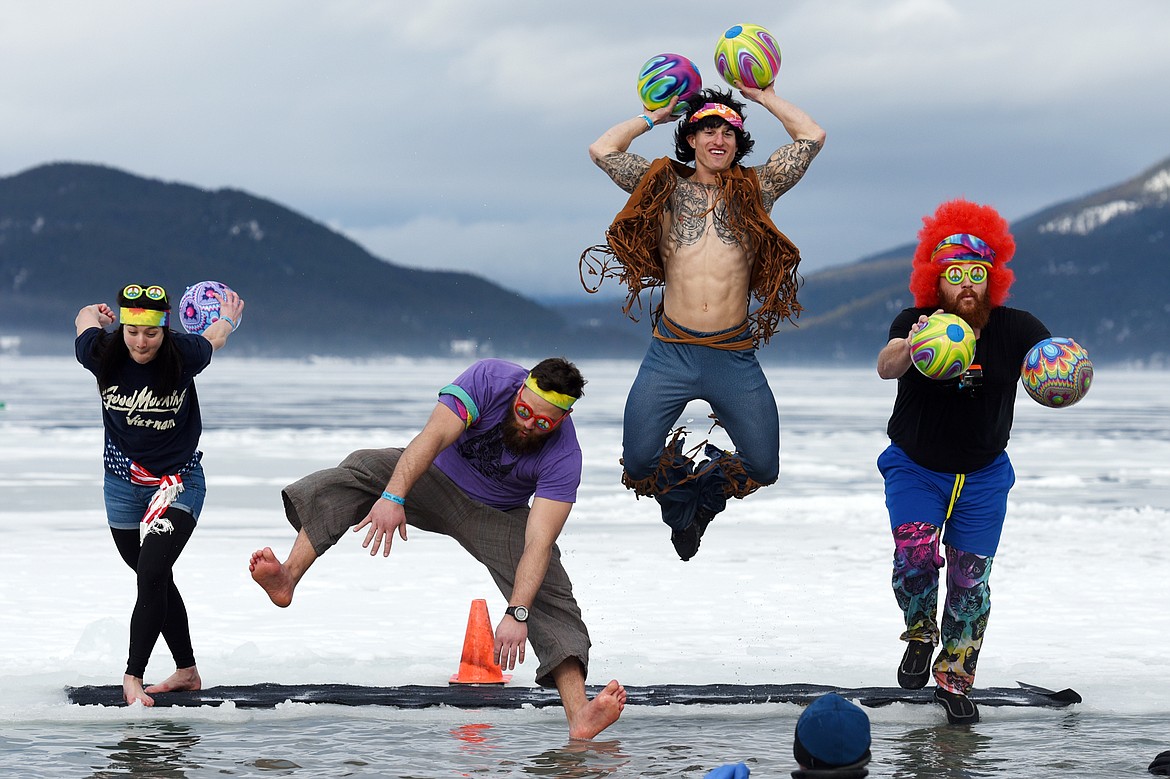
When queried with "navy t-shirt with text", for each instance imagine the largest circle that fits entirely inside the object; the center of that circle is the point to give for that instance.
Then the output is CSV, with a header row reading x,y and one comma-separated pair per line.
x,y
155,428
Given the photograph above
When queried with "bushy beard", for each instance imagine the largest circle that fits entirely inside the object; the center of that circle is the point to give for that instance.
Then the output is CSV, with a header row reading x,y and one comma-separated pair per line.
x,y
521,444
974,309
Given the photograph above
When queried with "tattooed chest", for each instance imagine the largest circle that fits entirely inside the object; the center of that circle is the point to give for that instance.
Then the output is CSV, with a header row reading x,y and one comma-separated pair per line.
x,y
695,209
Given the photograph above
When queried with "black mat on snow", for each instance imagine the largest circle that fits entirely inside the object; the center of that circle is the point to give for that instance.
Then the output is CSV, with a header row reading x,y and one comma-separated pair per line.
x,y
267,695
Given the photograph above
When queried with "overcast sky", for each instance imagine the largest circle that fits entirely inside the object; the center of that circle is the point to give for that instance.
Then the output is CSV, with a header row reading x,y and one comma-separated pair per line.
x,y
454,134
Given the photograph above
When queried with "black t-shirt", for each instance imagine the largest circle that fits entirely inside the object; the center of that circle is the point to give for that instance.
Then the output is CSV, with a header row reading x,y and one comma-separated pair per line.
x,y
952,429
158,430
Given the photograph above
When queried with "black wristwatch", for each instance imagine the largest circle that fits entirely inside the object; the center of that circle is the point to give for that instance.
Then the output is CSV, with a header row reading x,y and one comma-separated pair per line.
x,y
518,613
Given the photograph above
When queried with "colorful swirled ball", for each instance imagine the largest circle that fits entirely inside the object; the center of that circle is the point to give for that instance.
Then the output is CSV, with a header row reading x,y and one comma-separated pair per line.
x,y
943,348
199,309
747,53
1057,372
666,75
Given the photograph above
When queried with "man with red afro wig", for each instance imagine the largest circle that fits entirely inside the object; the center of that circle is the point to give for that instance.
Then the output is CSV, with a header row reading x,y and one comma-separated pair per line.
x,y
946,470
971,219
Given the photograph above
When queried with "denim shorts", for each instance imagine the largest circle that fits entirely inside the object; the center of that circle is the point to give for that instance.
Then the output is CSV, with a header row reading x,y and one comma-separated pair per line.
x,y
126,502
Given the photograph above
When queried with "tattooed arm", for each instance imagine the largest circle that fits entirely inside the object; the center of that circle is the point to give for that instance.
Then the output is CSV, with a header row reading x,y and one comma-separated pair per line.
x,y
609,152
624,168
787,164
784,168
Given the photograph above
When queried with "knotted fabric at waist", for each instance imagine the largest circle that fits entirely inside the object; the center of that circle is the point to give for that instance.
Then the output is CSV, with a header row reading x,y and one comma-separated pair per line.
x,y
169,488
720,340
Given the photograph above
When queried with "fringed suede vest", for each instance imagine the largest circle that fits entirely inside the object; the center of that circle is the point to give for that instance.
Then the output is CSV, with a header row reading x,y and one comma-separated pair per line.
x,y
630,253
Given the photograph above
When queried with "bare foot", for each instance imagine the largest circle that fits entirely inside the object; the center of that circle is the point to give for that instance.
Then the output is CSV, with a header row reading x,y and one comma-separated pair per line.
x,y
599,713
132,691
181,679
270,574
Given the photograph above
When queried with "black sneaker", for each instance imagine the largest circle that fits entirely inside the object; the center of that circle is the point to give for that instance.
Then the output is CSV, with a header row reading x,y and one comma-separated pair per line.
x,y
686,541
960,709
914,672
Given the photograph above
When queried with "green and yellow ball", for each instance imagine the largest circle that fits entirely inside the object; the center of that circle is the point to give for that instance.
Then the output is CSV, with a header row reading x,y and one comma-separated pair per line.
x,y
943,348
747,54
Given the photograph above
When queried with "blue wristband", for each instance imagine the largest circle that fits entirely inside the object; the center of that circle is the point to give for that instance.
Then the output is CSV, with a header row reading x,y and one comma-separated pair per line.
x,y
228,319
395,498
648,120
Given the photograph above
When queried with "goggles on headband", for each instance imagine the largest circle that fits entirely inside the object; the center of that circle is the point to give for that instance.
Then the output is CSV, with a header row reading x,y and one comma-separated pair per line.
x,y
143,316
135,291
726,113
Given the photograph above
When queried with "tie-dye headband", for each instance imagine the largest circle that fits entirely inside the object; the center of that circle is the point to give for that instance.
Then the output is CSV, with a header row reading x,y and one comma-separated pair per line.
x,y
558,399
725,113
144,317
963,247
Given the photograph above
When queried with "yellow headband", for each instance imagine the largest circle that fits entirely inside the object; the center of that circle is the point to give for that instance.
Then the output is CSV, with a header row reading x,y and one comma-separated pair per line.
x,y
558,399
147,317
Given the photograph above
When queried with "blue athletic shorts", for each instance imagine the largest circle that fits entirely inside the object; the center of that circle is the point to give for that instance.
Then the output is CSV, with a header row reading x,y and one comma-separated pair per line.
x,y
126,502
969,507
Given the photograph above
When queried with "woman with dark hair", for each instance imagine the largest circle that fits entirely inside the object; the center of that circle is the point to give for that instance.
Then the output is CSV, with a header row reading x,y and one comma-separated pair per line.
x,y
154,485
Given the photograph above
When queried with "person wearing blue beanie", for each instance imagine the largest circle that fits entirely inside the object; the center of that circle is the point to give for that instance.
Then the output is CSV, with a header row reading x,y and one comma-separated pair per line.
x,y
832,736
832,741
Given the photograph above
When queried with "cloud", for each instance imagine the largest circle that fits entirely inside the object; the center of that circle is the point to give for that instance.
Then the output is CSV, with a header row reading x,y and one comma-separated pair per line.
x,y
457,129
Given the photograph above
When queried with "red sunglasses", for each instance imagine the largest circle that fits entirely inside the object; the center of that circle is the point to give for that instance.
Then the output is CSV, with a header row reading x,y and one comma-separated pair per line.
x,y
525,412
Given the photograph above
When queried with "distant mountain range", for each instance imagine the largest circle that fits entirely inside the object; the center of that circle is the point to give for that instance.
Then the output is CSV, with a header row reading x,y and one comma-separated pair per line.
x,y
72,234
1096,269
1093,268
1089,268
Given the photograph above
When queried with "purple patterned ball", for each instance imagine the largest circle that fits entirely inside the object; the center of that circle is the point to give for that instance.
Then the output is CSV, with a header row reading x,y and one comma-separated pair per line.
x,y
1057,372
666,75
199,309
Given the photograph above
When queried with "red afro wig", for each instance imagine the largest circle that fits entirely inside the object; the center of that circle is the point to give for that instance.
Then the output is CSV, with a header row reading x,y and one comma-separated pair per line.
x,y
962,216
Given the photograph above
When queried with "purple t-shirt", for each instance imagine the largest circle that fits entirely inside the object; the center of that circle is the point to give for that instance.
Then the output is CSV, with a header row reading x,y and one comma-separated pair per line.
x,y
478,462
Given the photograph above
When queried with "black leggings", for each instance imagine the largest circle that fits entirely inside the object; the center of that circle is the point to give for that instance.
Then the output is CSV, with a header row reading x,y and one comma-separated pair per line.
x,y
159,608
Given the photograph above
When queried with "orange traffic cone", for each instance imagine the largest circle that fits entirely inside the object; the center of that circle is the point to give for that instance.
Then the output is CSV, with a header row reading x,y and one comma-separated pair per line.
x,y
478,666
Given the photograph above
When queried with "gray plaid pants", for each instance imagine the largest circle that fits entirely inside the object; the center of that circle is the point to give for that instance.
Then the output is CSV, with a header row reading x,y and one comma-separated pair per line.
x,y
326,504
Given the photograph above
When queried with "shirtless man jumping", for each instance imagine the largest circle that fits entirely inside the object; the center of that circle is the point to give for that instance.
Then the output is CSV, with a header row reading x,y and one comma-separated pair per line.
x,y
703,233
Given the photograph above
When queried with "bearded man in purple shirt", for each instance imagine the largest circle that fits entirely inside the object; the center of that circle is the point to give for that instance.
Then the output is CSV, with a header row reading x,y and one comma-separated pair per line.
x,y
500,436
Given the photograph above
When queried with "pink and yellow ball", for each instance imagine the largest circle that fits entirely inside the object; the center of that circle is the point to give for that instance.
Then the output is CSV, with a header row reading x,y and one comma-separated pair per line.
x,y
943,348
748,54
666,75
1057,372
199,309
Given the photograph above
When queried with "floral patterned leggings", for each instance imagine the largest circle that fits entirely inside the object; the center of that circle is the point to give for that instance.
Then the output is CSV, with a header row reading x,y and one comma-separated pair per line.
x,y
965,611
